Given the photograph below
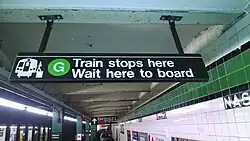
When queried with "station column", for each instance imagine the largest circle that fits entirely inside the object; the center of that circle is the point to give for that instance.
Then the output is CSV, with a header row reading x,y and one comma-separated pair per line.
x,y
93,127
57,123
79,128
87,138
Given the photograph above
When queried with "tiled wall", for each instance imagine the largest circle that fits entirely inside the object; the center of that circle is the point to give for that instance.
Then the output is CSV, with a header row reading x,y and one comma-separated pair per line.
x,y
231,73
207,121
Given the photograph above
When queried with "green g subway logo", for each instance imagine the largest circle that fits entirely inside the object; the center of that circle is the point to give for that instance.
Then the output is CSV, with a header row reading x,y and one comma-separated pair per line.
x,y
59,67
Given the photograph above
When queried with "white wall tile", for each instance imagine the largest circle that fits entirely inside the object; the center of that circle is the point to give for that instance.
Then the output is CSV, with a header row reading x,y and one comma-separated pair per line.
x,y
225,129
218,130
233,129
230,115
205,138
239,114
216,118
242,130
244,139
213,138
234,139
206,129
226,138
210,119
218,138
204,118
248,126
247,113
211,129
199,118
223,116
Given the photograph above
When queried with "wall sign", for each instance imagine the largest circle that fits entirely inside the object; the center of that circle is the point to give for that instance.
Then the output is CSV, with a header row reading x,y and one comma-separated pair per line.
x,y
237,100
59,67
134,136
128,135
160,116
143,136
156,138
104,120
180,139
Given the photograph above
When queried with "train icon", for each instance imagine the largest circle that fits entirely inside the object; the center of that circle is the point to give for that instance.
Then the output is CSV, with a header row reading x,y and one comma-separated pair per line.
x,y
27,67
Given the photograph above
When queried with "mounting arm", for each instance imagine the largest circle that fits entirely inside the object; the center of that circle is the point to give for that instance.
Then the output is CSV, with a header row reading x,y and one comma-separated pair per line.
x,y
171,20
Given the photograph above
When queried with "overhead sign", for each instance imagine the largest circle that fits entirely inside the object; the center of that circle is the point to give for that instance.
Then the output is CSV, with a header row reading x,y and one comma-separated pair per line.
x,y
94,120
104,120
237,100
61,67
160,116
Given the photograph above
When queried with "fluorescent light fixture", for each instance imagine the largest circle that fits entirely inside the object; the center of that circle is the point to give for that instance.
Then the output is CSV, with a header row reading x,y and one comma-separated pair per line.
x,y
38,111
69,119
50,114
30,127
3,127
11,104
19,106
13,127
22,127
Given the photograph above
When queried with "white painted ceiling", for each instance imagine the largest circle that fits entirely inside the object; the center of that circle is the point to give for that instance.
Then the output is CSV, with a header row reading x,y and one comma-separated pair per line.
x,y
112,27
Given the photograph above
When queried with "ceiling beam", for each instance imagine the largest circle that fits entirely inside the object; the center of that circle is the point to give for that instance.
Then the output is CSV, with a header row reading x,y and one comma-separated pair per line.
x,y
110,96
110,91
102,101
109,108
103,106
94,104
119,16
107,112
112,100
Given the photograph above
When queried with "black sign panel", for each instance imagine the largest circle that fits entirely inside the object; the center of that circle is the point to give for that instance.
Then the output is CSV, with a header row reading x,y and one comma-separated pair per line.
x,y
237,100
162,115
104,120
51,67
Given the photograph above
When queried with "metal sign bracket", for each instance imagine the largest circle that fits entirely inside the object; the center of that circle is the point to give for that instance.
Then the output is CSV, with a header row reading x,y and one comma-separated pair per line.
x,y
50,20
172,20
